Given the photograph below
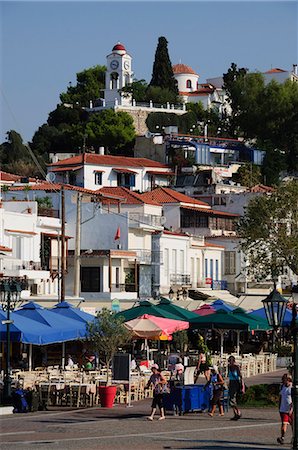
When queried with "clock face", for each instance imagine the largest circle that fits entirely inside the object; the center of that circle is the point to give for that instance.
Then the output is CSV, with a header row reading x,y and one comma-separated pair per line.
x,y
114,64
126,65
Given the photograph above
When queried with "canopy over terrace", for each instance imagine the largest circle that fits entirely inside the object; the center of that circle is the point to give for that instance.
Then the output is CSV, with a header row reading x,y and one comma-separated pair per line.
x,y
145,307
220,321
65,309
168,306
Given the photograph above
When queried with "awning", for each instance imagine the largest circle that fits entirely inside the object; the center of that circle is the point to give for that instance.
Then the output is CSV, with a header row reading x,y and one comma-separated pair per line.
x,y
5,249
99,171
211,212
67,169
122,170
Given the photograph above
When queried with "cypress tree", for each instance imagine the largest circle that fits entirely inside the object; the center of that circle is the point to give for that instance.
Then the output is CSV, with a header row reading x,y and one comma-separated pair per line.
x,y
162,74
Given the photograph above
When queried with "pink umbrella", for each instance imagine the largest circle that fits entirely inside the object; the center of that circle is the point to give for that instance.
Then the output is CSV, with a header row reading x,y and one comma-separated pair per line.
x,y
205,310
148,327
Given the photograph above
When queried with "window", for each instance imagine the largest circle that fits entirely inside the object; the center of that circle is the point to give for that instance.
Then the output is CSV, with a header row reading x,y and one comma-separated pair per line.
x,y
166,261
230,263
117,277
181,261
188,84
98,178
126,180
174,261
90,279
206,268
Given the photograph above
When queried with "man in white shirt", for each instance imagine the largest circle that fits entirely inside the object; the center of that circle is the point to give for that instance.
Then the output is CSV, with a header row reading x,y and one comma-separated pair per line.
x,y
285,406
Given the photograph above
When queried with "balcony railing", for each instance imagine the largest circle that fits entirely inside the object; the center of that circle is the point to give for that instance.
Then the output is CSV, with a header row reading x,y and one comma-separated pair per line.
x,y
219,284
148,256
179,278
23,265
139,220
48,212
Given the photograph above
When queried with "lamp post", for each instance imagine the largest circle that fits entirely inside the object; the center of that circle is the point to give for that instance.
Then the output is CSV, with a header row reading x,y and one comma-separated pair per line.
x,y
10,292
275,307
295,360
171,294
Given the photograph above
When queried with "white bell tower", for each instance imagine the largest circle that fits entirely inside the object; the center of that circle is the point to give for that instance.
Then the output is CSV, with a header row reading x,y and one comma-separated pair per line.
x,y
118,75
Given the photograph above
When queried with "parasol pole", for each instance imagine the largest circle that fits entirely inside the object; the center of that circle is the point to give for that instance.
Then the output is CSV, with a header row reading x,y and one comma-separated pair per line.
x,y
238,342
221,343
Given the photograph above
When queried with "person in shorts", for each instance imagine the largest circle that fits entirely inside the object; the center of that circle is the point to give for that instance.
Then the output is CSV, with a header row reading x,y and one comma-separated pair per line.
x,y
217,383
235,386
159,382
285,406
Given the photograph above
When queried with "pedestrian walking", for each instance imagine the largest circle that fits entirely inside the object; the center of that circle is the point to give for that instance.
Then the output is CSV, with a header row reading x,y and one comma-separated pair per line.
x,y
235,386
285,406
160,388
217,383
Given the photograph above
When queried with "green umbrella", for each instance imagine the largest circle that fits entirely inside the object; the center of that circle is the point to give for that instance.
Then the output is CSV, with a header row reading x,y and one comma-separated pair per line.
x,y
220,319
256,323
145,307
167,305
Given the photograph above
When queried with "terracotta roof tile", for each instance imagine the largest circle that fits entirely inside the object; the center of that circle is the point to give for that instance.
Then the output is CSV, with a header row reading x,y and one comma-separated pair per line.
x,y
213,212
275,70
131,197
6,176
108,160
5,249
261,188
167,195
183,68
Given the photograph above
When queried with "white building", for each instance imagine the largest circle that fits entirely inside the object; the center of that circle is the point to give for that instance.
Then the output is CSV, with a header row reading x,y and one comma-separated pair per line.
x,y
29,246
281,75
92,171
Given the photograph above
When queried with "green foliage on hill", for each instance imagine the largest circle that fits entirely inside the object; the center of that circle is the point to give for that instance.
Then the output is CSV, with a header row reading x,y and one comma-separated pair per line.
x,y
162,73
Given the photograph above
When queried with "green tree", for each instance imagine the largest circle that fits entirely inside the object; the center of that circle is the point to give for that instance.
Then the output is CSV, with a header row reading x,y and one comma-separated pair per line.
x,y
113,130
107,334
248,175
138,90
269,232
90,82
162,74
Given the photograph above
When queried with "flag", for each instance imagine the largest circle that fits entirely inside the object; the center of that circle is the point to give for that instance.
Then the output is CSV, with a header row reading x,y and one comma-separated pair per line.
x,y
117,235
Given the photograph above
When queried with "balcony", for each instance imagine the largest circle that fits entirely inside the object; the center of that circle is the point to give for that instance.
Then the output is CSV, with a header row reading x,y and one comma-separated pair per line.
x,y
180,279
148,256
219,285
29,269
126,287
48,212
137,220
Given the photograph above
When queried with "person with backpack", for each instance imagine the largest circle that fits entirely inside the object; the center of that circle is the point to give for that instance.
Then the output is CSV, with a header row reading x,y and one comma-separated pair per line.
x,y
235,386
217,383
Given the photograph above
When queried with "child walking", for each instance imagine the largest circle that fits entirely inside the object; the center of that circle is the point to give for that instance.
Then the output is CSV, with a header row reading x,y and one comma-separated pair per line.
x,y
285,406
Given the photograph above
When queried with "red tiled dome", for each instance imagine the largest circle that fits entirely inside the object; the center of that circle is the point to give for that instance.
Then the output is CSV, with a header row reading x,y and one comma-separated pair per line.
x,y
119,46
183,68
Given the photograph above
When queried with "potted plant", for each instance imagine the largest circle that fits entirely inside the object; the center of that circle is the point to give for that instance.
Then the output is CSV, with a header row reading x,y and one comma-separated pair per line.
x,y
106,334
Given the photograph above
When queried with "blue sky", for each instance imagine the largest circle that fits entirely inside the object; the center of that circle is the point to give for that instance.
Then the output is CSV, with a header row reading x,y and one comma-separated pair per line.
x,y
44,44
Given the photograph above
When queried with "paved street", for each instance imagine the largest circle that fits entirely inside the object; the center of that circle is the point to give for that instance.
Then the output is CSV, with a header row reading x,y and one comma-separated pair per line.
x,y
124,428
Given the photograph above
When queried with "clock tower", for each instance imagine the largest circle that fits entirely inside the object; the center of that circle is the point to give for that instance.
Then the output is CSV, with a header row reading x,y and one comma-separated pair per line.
x,y
118,75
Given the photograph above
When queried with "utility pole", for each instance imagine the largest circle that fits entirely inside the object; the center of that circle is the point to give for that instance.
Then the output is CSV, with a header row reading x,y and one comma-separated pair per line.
x,y
77,252
63,256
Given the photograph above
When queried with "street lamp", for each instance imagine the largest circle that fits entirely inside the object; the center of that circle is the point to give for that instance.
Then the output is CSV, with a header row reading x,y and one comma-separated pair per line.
x,y
171,294
10,293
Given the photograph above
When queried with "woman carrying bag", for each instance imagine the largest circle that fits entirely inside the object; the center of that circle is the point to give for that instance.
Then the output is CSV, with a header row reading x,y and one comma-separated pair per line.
x,y
160,388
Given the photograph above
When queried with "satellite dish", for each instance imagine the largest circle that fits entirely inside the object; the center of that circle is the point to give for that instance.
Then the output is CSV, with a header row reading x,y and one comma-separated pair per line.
x,y
163,220
148,135
51,177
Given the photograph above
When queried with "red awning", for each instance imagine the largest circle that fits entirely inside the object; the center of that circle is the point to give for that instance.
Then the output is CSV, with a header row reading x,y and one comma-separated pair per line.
x,y
67,169
121,170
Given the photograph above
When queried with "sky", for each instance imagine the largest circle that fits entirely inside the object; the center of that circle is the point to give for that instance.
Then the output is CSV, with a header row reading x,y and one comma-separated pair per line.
x,y
44,44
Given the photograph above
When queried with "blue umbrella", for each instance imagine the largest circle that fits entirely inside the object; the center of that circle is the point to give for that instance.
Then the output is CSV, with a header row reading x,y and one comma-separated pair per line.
x,y
69,329
65,309
220,304
28,331
261,313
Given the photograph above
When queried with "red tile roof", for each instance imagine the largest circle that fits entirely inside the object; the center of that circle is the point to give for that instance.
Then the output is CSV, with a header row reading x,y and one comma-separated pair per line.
x,y
261,188
130,197
65,169
275,70
108,160
183,68
159,172
167,195
6,176
5,249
